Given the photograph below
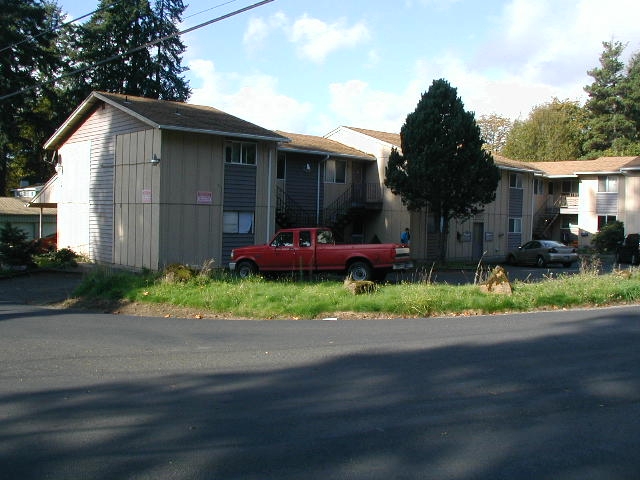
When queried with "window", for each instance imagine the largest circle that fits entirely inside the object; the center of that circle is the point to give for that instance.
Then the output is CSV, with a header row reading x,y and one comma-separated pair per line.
x,y
569,187
605,219
283,239
538,186
515,180
607,184
305,238
240,152
281,168
515,225
237,222
335,171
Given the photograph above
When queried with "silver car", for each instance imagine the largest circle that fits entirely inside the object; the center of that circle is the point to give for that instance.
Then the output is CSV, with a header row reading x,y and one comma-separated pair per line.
x,y
542,252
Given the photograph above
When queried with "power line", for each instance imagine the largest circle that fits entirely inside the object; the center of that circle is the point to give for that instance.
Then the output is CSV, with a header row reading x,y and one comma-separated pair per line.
x,y
51,30
136,49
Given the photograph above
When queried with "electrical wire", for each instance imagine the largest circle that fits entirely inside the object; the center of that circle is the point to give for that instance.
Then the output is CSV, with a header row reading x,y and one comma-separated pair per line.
x,y
136,49
51,30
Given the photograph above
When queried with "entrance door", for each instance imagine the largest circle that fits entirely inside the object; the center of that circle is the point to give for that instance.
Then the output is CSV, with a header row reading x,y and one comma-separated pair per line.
x,y
478,240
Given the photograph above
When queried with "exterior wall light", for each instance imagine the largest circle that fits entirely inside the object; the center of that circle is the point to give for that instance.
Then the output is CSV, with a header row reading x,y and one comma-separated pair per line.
x,y
154,160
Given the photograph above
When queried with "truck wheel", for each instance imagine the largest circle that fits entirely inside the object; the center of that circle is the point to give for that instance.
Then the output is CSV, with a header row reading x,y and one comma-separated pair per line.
x,y
246,269
359,271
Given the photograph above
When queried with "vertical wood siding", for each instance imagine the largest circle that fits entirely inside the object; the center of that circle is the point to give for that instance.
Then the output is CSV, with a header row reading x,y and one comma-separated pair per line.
x,y
136,218
190,232
101,128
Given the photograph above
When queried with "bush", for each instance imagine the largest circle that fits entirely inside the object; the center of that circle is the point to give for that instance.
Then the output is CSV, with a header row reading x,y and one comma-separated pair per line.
x,y
609,237
57,259
15,249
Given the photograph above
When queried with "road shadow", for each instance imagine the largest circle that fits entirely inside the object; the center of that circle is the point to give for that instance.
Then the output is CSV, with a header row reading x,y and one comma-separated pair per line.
x,y
565,406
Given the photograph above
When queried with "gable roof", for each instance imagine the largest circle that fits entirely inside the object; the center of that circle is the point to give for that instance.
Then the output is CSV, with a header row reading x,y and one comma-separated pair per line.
x,y
600,166
320,146
166,115
390,138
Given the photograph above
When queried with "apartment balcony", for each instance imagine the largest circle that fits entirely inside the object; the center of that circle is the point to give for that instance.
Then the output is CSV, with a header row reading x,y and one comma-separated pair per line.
x,y
569,204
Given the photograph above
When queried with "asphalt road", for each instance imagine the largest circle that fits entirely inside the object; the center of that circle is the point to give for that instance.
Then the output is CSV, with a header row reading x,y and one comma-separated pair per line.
x,y
552,395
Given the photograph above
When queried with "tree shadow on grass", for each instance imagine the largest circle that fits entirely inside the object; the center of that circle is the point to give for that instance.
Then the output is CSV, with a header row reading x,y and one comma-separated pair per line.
x,y
563,406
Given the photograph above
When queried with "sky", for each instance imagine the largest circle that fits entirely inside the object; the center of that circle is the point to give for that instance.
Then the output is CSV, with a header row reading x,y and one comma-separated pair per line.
x,y
309,66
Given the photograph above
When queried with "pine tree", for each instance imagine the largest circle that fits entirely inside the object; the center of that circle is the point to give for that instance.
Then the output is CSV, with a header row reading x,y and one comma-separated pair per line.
x,y
116,32
29,56
443,166
609,129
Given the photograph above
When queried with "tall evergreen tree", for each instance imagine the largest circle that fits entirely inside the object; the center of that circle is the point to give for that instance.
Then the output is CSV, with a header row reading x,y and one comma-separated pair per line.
x,y
109,50
609,129
443,166
28,57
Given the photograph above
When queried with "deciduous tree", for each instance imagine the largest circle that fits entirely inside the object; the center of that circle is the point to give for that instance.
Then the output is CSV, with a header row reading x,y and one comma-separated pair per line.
x,y
494,130
443,166
552,132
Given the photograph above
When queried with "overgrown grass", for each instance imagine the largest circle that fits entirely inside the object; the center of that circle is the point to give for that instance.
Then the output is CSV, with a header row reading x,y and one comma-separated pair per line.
x,y
273,299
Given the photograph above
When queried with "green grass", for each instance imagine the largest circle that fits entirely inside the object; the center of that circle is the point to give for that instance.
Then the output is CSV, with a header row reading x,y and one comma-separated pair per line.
x,y
273,299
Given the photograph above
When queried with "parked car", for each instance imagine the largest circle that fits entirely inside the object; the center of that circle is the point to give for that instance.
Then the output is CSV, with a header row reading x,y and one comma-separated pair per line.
x,y
543,252
629,250
46,244
314,250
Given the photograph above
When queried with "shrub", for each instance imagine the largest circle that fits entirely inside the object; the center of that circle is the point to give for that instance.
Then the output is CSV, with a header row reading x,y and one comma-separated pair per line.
x,y
609,237
57,259
177,272
15,249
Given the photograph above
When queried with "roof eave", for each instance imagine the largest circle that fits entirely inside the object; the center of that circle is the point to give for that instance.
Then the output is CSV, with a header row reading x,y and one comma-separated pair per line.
x,y
222,133
325,153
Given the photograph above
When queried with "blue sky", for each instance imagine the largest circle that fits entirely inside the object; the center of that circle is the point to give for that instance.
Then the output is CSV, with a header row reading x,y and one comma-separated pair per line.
x,y
309,66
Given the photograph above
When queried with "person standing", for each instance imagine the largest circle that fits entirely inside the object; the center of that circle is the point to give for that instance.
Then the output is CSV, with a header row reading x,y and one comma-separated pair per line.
x,y
405,237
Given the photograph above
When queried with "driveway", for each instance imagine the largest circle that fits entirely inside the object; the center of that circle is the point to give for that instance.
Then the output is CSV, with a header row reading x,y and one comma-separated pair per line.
x,y
39,288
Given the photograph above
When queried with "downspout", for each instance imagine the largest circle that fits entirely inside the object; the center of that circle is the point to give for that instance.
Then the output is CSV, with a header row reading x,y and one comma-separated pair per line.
x,y
269,191
318,189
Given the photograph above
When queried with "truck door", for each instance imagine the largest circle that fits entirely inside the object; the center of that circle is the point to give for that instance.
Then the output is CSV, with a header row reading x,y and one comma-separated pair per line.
x,y
305,251
282,256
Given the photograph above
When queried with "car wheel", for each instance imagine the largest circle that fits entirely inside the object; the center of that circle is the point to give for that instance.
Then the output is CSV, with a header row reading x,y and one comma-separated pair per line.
x,y
511,260
634,259
246,269
360,271
566,264
540,261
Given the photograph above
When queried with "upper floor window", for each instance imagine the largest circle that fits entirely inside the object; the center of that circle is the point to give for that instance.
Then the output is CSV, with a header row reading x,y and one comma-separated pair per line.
x,y
240,152
608,184
335,171
569,187
538,186
515,180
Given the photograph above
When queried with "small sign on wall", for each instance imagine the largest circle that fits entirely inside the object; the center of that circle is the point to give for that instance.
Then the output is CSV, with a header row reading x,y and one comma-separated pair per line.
x,y
204,198
488,236
146,196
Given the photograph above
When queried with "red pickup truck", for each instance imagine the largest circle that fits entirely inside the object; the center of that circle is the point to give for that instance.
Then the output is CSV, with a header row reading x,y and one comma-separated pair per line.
x,y
314,250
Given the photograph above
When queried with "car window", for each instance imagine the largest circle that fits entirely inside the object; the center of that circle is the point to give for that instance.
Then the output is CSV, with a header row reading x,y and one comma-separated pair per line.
x,y
305,238
283,239
531,245
325,236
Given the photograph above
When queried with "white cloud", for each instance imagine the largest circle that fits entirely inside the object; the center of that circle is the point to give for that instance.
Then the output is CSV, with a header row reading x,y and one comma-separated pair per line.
x,y
317,39
254,98
259,30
